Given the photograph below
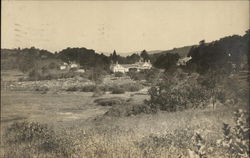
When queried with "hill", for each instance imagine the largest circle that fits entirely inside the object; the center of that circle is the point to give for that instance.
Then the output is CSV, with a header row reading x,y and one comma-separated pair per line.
x,y
182,51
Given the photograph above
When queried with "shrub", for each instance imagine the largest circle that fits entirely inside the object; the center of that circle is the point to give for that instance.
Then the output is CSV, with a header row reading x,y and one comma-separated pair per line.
x,y
105,88
198,146
53,65
118,74
137,75
178,139
32,139
118,90
131,87
88,88
73,88
236,138
110,101
126,109
177,93
43,89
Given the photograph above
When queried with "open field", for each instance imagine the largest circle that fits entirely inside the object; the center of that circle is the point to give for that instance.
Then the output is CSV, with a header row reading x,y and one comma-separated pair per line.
x,y
54,108
87,132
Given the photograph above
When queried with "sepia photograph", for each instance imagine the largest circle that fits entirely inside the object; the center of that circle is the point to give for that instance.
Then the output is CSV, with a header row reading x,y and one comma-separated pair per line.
x,y
125,79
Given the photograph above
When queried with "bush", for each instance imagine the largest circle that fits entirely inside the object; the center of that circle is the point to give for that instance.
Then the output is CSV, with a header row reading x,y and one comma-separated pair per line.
x,y
118,74
88,88
137,75
73,88
177,93
127,109
110,101
105,88
36,75
131,87
236,138
53,65
32,139
118,90
42,89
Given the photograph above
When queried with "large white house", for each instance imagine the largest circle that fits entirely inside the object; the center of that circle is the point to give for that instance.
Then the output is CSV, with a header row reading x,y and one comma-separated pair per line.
x,y
138,66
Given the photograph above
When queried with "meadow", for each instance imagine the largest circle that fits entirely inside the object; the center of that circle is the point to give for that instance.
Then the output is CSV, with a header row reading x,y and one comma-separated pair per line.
x,y
61,123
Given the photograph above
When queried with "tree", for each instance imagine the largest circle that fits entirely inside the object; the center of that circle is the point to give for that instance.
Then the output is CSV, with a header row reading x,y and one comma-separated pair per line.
x,y
220,54
166,61
144,55
114,57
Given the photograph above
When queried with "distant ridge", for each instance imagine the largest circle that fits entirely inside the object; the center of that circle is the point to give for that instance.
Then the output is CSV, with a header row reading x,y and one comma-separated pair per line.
x,y
182,51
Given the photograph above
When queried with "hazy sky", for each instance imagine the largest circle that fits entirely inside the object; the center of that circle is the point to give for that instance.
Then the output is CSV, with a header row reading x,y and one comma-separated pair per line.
x,y
124,26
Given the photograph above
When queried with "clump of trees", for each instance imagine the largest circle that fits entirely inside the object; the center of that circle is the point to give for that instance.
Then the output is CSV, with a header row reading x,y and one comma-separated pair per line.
x,y
176,92
166,61
229,53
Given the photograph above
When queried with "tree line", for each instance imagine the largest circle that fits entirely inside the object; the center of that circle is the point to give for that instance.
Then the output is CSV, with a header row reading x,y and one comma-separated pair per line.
x,y
223,53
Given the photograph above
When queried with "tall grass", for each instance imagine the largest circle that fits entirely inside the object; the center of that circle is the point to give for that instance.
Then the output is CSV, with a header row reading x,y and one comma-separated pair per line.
x,y
160,135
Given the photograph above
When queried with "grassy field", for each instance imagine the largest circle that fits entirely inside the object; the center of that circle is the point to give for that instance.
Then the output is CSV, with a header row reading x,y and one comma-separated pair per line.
x,y
86,131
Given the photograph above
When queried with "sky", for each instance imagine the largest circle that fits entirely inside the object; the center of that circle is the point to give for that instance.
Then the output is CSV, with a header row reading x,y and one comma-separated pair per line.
x,y
121,25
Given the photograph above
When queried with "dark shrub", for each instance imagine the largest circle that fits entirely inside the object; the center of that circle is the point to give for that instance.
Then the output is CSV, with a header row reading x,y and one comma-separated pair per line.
x,y
118,90
105,88
43,89
73,69
53,65
110,101
118,74
131,87
137,75
177,93
88,88
127,109
74,88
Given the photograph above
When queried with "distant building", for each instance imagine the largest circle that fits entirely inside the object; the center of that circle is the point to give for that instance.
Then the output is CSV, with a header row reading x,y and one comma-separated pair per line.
x,y
183,61
73,65
138,66
64,66
67,66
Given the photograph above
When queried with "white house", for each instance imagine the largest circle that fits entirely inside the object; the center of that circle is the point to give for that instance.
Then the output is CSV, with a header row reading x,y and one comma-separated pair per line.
x,y
118,68
126,67
73,65
63,66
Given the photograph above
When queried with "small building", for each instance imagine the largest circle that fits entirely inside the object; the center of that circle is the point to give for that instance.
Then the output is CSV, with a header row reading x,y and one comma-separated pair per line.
x,y
118,68
73,65
64,66
183,61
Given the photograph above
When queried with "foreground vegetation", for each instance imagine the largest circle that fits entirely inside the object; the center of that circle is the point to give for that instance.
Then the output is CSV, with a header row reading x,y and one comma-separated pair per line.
x,y
204,136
